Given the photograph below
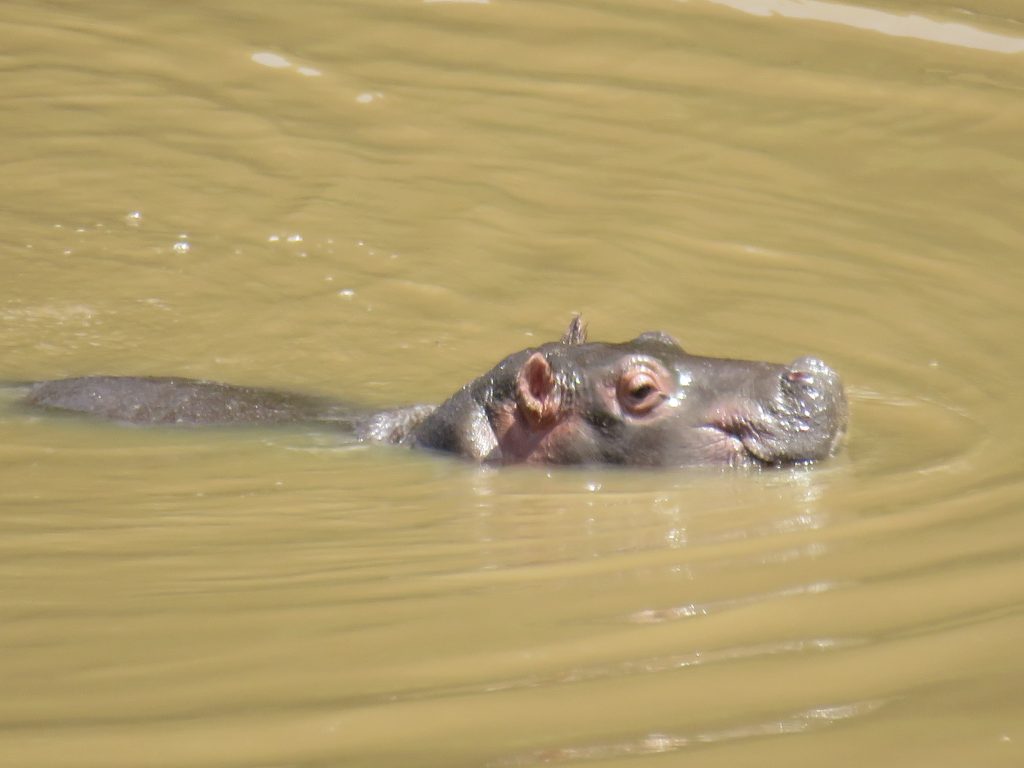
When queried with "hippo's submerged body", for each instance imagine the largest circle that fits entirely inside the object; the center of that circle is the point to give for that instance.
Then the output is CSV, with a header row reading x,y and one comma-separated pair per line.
x,y
644,402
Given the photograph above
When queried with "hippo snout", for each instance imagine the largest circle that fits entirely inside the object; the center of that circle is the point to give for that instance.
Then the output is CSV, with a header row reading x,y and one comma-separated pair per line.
x,y
810,409
799,415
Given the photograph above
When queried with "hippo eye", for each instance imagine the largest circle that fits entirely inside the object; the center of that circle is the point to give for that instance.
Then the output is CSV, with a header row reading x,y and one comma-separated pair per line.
x,y
640,391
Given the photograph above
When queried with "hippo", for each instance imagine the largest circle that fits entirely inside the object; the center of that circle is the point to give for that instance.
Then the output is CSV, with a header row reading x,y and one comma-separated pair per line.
x,y
644,402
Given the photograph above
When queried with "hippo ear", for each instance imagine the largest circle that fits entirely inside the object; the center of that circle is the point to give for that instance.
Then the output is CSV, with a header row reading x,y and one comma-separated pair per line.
x,y
576,333
537,392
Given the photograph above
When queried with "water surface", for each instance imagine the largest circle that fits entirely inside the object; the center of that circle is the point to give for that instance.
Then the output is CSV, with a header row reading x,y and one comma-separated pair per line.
x,y
379,201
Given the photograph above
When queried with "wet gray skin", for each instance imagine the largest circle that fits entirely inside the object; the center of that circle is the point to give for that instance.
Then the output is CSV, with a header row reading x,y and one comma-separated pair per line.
x,y
643,402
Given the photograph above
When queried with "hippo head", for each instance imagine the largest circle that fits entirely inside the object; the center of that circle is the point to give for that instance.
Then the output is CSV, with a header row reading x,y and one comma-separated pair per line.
x,y
642,402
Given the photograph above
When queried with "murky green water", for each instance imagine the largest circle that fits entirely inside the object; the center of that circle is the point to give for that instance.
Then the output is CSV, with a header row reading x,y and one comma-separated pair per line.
x,y
380,200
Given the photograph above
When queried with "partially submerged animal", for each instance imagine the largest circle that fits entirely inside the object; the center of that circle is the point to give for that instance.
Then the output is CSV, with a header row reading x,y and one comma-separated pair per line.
x,y
643,402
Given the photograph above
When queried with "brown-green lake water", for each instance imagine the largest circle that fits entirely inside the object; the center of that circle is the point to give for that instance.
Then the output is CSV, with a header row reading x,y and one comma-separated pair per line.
x,y
379,200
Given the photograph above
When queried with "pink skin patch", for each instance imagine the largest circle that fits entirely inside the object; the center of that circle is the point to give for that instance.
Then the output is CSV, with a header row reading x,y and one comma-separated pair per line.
x,y
547,442
537,428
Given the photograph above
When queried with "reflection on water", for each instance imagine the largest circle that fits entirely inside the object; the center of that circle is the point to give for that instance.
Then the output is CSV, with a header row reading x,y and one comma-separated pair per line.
x,y
886,22
799,722
380,205
690,610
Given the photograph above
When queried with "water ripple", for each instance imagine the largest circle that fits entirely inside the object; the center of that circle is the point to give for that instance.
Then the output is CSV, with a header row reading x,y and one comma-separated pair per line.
x,y
662,743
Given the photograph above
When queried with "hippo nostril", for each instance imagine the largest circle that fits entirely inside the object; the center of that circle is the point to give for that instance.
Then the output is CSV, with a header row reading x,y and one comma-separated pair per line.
x,y
809,377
